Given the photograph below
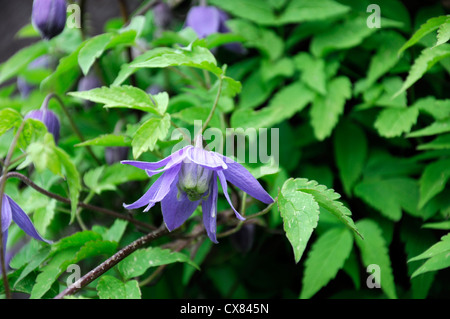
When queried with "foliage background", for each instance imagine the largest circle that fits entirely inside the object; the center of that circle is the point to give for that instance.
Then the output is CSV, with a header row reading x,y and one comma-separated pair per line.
x,y
354,115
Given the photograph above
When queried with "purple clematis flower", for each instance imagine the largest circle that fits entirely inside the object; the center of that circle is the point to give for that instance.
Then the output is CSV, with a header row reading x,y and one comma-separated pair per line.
x,y
11,211
190,178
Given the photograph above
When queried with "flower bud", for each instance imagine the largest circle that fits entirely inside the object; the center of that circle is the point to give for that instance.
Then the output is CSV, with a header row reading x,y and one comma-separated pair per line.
x,y
206,20
49,17
49,118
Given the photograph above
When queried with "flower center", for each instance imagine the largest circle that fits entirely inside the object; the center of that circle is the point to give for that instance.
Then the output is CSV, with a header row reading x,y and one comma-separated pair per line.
x,y
194,180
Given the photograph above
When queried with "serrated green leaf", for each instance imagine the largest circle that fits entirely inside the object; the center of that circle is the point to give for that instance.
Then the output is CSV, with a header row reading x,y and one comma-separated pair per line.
x,y
191,114
300,214
375,251
193,55
326,110
43,216
75,241
437,127
93,180
149,133
9,118
433,180
397,194
313,71
327,198
438,257
120,96
443,33
288,101
345,35
116,231
110,287
350,150
427,58
429,26
304,10
138,262
43,155
35,262
393,122
438,109
326,257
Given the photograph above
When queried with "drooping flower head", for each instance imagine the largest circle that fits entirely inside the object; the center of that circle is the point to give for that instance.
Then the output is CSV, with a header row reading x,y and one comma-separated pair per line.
x,y
190,177
206,20
49,118
49,17
10,211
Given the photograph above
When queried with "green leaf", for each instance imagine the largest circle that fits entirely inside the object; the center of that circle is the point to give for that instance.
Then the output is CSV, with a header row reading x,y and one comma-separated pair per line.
x,y
344,35
50,272
120,96
43,216
327,198
116,231
138,262
193,55
34,263
438,127
438,257
313,71
255,11
443,33
9,118
350,149
118,173
438,109
43,155
375,251
285,103
110,287
433,180
393,122
326,257
149,133
107,140
33,130
19,61
92,50
300,214
66,74
305,10
76,240
430,26
326,110
427,58
396,193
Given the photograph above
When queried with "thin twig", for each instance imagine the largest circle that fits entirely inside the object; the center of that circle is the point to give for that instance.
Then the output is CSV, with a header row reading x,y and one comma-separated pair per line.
x,y
111,262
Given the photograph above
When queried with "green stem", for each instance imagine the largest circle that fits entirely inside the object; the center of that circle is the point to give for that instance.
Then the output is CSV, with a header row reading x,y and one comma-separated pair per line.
x,y
213,109
2,191
78,213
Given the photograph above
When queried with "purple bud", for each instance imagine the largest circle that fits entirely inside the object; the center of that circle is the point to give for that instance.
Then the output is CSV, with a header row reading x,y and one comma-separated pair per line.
x,y
205,20
163,15
49,17
154,89
243,239
49,118
116,154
